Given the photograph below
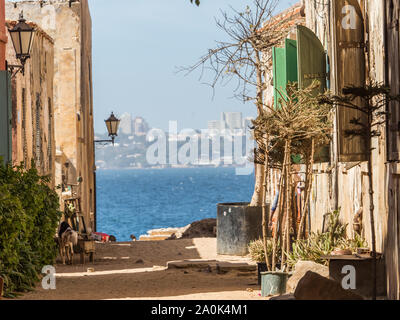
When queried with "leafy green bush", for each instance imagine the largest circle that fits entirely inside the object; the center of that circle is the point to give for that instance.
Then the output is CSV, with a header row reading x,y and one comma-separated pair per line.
x,y
29,214
323,244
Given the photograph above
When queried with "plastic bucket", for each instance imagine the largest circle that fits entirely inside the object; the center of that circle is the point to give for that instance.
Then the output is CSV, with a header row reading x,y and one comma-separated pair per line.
x,y
273,283
261,267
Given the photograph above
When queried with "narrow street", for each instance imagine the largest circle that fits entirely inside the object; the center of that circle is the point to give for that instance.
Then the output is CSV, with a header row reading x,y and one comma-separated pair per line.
x,y
248,150
137,270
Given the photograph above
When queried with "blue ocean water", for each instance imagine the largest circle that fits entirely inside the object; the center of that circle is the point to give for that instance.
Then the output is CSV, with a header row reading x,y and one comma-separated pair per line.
x,y
135,201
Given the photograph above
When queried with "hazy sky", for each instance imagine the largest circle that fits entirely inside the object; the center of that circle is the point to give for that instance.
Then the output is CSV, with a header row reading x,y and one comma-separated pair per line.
x,y
137,45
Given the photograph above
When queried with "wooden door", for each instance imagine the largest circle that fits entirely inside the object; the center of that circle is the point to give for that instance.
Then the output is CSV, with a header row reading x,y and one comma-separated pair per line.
x,y
392,243
393,76
349,71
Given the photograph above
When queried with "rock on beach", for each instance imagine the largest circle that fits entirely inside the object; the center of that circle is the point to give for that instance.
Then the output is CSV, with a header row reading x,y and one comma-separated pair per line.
x,y
200,229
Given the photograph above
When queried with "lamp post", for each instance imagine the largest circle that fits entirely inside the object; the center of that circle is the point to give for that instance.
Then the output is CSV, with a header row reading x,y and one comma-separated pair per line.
x,y
22,36
112,124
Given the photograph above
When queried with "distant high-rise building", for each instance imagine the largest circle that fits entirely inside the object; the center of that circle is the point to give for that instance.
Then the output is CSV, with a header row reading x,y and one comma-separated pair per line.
x,y
232,120
126,124
140,126
214,125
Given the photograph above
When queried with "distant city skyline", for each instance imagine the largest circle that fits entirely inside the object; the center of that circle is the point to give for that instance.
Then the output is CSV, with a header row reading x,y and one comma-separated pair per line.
x,y
135,63
137,125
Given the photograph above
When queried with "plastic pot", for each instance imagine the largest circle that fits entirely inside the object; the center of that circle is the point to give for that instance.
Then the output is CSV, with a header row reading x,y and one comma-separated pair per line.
x,y
273,283
261,268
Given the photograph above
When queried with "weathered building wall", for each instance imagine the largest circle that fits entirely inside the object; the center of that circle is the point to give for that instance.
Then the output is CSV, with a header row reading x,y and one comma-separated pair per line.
x,y
342,183
3,36
69,24
32,106
346,183
86,135
391,8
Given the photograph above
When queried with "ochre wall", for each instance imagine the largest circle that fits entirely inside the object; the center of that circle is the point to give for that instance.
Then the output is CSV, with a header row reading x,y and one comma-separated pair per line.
x,y
32,105
345,185
70,27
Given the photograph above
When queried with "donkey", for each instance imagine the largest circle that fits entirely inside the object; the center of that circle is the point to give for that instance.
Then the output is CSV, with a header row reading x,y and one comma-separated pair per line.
x,y
67,239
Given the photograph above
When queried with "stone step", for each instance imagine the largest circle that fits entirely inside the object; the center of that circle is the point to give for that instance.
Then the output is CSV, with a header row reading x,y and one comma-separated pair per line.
x,y
212,265
154,238
162,232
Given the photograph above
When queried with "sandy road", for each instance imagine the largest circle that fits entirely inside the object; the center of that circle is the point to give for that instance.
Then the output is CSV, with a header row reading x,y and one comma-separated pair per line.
x,y
137,270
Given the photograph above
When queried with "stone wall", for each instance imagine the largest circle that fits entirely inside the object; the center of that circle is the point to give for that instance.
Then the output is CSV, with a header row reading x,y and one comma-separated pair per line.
x,y
69,24
3,36
32,101
346,184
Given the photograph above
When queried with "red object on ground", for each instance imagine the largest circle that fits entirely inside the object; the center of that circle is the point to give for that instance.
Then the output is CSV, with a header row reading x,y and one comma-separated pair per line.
x,y
103,237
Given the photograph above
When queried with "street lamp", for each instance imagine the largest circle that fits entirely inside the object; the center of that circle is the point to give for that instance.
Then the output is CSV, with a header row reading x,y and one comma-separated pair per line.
x,y
22,36
112,124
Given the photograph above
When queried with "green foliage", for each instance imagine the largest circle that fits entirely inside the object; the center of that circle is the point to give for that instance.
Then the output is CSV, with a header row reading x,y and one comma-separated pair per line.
x,y
323,244
197,2
29,214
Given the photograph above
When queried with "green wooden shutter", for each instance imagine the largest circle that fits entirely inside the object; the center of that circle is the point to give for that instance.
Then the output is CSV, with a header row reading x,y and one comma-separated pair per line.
x,y
279,66
350,71
291,60
5,117
312,59
312,66
285,68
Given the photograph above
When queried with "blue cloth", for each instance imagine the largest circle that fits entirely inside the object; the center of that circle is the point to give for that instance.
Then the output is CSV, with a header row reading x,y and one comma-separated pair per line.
x,y
275,204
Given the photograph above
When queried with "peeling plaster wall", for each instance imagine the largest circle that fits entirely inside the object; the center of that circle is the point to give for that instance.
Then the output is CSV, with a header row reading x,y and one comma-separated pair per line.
x,y
69,24
352,184
3,36
352,180
33,114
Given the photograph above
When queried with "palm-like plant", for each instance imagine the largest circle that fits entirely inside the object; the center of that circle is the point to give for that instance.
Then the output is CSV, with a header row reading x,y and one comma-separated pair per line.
x,y
300,126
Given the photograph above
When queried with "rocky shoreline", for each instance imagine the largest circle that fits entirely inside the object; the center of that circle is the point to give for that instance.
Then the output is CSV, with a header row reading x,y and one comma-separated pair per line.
x,y
206,228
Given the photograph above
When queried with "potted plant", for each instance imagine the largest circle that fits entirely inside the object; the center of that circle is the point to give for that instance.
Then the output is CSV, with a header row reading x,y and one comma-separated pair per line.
x,y
257,254
295,130
273,283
